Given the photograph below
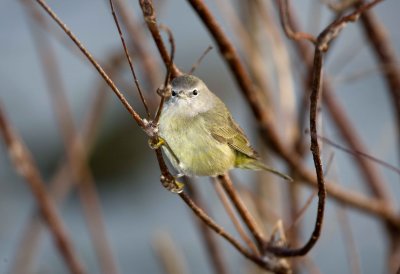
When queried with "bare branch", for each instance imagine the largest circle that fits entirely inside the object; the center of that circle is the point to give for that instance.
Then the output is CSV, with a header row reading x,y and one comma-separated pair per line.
x,y
25,165
149,15
129,60
101,71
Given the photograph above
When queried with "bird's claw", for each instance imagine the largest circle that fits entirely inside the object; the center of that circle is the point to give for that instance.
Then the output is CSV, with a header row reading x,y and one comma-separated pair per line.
x,y
156,143
171,184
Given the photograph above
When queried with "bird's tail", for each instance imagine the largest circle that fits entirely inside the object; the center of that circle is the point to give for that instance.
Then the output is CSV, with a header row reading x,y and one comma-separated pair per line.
x,y
255,164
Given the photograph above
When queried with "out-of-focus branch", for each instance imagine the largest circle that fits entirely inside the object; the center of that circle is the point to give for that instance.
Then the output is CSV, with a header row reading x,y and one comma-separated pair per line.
x,y
171,259
25,165
384,52
61,184
78,167
214,252
343,123
286,24
97,66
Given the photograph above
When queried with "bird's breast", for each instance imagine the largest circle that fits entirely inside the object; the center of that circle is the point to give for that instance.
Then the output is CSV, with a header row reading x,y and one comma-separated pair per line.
x,y
195,148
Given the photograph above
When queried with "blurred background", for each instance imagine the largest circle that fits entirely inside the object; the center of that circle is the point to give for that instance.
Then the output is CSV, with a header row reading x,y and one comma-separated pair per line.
x,y
140,216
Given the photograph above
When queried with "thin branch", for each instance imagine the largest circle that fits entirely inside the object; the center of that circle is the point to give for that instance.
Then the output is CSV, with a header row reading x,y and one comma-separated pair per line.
x,y
165,89
268,130
384,52
228,208
139,43
80,172
243,211
262,262
360,153
214,252
168,254
232,59
265,262
61,184
150,18
101,71
25,165
197,63
321,46
369,171
353,257
129,60
292,34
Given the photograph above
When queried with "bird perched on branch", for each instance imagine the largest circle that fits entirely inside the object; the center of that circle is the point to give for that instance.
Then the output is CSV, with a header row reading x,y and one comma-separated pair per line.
x,y
199,135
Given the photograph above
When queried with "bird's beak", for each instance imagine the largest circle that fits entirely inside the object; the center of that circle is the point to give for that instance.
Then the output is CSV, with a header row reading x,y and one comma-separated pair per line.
x,y
181,94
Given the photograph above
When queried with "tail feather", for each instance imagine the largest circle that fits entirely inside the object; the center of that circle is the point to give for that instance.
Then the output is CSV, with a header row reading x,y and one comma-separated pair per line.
x,y
255,164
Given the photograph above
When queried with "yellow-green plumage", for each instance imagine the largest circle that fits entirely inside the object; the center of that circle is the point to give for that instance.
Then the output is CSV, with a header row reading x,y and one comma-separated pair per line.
x,y
202,139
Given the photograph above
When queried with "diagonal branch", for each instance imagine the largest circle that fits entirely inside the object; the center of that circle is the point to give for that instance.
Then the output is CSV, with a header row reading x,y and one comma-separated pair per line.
x,y
25,165
97,66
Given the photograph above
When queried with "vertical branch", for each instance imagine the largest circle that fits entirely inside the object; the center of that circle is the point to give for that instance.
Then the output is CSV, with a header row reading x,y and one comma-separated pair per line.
x,y
171,260
138,41
128,57
150,18
384,52
315,150
25,165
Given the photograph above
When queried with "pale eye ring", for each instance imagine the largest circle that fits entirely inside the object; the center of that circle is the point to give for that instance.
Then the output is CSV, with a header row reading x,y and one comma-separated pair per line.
x,y
173,93
195,92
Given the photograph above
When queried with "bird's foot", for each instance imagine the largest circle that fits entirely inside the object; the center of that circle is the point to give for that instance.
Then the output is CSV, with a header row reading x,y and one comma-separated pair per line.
x,y
156,143
171,184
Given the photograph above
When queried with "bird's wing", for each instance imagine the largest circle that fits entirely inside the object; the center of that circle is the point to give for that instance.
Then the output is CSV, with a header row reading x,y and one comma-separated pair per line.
x,y
227,131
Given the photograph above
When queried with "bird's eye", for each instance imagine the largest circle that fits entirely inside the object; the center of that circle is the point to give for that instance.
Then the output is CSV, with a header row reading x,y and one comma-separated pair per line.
x,y
173,93
195,92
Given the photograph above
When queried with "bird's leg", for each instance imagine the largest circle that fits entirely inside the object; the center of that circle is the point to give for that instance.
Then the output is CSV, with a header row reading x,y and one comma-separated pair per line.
x,y
167,180
157,142
170,183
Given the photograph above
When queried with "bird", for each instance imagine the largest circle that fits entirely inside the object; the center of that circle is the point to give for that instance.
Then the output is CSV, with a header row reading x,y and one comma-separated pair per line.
x,y
200,136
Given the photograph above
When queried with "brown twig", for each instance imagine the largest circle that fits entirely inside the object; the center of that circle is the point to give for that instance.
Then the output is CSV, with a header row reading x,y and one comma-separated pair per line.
x,y
170,257
197,63
61,184
214,252
228,208
361,153
292,34
88,55
262,262
150,18
128,57
25,165
348,239
243,211
80,172
165,89
321,46
386,56
138,41
269,132
231,57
